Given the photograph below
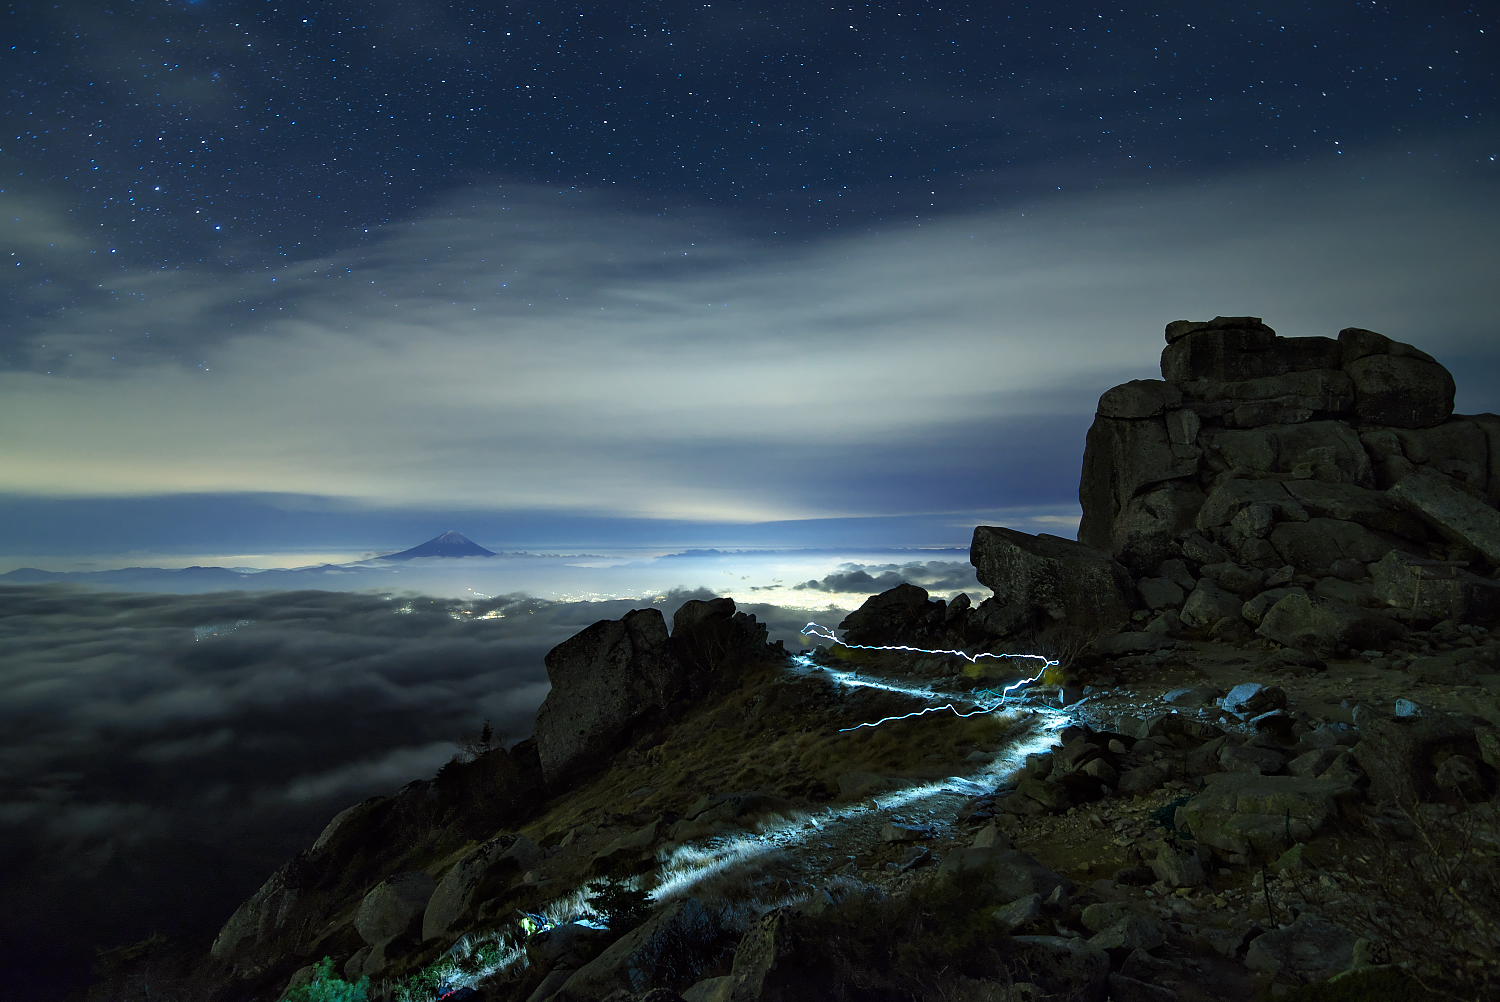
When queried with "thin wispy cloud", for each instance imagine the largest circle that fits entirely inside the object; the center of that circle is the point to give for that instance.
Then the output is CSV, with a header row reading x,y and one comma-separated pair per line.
x,y
525,348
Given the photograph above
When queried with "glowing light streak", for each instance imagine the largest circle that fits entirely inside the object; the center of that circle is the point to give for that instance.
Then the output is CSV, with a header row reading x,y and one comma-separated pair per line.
x,y
687,865
920,713
824,633
857,681
848,678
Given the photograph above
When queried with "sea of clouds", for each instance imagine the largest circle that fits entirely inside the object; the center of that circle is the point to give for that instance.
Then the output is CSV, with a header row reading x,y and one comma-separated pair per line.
x,y
161,754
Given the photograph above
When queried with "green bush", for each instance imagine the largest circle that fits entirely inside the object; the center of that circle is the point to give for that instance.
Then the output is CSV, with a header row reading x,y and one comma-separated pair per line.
x,y
327,987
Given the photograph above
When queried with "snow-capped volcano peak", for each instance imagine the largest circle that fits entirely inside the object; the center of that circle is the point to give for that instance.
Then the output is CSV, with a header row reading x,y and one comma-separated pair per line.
x,y
449,544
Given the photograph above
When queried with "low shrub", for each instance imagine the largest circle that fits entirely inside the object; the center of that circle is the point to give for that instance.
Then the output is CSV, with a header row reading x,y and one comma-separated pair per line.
x,y
326,986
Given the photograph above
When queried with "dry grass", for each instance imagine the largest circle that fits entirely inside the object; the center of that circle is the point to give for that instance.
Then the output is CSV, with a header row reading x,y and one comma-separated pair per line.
x,y
775,735
1423,888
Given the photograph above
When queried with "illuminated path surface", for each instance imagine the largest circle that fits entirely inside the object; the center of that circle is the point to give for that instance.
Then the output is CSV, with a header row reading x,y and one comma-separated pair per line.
x,y
826,841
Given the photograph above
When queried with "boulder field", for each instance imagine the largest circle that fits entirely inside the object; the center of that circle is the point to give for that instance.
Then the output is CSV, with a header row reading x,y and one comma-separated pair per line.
x,y
1266,762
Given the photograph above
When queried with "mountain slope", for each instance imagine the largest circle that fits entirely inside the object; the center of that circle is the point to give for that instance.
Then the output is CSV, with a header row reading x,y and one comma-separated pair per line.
x,y
700,813
449,544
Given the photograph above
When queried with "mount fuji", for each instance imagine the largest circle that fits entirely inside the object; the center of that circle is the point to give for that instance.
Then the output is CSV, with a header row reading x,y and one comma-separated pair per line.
x,y
449,544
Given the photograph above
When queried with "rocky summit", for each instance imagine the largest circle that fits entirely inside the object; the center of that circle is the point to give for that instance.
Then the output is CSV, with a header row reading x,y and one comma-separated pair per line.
x,y
1238,741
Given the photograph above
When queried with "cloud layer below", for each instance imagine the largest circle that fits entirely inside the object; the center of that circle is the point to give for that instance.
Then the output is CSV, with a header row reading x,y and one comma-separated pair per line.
x,y
160,755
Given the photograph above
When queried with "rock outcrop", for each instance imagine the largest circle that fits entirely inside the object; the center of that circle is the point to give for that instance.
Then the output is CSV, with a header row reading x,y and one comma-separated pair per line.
x,y
1332,465
621,675
1046,587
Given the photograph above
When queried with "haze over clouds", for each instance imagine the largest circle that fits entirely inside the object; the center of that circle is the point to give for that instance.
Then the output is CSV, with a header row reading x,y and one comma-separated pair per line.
x,y
937,576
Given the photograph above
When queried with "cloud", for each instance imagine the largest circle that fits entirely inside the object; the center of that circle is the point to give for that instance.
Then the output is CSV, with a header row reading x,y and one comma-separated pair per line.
x,y
933,575
389,771
164,770
520,347
124,728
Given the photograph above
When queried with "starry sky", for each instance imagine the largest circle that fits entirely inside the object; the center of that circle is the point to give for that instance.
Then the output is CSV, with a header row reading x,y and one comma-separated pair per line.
x,y
287,276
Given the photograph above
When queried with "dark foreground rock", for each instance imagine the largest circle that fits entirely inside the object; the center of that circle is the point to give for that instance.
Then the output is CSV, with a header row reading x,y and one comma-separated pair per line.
x,y
1046,587
618,676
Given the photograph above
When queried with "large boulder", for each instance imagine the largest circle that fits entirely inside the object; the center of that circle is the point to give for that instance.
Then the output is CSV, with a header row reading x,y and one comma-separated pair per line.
x,y
1225,349
272,915
1403,755
1315,545
1394,383
617,677
1310,948
1373,509
1254,816
612,676
1048,586
1146,529
484,872
1435,589
1326,626
1232,495
709,635
1290,398
1277,452
1458,448
1123,457
393,907
1208,604
1316,450
1139,398
1006,874
1453,511
900,615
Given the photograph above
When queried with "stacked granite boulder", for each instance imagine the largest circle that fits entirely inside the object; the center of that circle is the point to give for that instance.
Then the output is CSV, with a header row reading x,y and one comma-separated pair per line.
x,y
1319,491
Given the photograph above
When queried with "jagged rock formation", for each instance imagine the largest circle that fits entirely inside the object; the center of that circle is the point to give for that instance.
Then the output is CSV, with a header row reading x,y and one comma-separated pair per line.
x,y
1042,584
1317,492
1295,486
619,676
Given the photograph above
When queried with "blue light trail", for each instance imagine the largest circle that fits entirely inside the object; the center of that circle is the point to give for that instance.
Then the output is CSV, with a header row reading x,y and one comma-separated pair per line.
x,y
824,633
682,867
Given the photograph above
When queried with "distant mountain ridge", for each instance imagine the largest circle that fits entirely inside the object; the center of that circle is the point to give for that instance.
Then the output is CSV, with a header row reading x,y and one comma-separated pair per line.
x,y
198,578
449,544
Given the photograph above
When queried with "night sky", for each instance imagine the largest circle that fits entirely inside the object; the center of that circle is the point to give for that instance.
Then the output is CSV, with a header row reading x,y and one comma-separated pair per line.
x,y
349,274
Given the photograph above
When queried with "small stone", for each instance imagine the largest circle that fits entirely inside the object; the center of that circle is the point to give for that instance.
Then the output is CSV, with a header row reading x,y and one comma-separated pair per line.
x,y
893,832
1177,868
1292,859
1020,912
1249,699
1409,708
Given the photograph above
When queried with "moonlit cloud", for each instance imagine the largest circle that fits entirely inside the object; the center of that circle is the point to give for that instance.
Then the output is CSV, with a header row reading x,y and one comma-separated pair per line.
x,y
867,579
522,348
163,771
